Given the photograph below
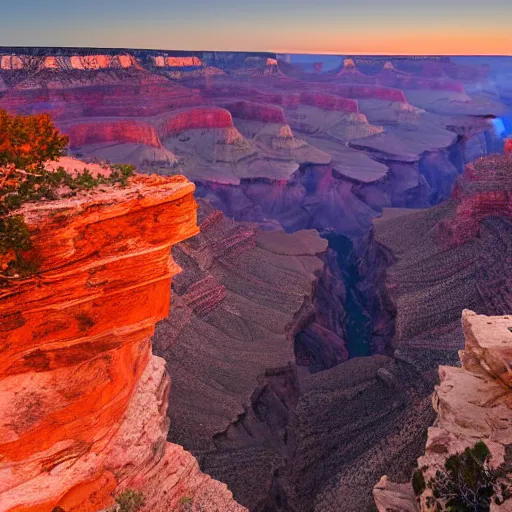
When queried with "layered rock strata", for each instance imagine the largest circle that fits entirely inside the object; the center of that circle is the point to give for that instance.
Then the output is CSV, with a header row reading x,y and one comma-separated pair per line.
x,y
433,272
82,400
484,190
229,346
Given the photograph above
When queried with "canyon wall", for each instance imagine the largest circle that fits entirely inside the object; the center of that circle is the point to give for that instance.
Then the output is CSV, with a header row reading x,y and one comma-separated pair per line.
x,y
112,131
485,189
256,111
82,399
228,343
282,148
195,119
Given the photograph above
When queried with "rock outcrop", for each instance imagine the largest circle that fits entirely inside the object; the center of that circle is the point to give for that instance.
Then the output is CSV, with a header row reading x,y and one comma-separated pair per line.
x,y
67,62
163,61
484,190
350,73
82,400
195,119
115,131
472,403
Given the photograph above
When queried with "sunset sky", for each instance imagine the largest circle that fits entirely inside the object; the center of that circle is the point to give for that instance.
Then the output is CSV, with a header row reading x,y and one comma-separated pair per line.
x,y
295,26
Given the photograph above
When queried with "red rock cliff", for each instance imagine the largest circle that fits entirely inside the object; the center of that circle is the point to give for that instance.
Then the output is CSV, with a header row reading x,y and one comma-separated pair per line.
x,y
82,400
115,131
329,102
256,111
484,190
508,146
195,118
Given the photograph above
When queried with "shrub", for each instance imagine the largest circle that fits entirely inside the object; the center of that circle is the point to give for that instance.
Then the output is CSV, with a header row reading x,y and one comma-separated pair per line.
x,y
467,483
26,142
129,501
418,482
186,503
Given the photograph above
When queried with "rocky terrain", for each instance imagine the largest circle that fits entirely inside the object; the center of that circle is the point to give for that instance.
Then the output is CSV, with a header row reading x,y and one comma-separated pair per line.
x,y
472,403
320,441
442,260
228,342
83,400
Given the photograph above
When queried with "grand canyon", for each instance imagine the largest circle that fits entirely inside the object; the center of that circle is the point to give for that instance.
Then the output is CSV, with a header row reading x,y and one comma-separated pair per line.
x,y
339,236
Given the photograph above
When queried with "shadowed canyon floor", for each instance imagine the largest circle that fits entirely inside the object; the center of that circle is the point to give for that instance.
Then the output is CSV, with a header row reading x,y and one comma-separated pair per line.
x,y
339,218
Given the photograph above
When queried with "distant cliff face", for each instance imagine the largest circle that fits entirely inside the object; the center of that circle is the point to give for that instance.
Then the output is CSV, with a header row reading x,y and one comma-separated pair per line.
x,y
473,403
82,400
72,62
484,190
162,61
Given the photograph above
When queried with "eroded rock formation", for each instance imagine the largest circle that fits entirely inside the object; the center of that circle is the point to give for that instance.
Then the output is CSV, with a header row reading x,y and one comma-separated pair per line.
x,y
484,190
472,403
295,150
229,346
82,400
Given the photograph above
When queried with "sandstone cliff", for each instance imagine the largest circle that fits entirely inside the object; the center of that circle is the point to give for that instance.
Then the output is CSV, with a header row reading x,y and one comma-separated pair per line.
x,y
82,400
472,403
67,62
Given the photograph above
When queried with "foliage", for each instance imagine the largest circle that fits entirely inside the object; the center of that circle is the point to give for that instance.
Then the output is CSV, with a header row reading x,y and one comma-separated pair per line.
x,y
129,501
418,482
26,142
467,483
186,503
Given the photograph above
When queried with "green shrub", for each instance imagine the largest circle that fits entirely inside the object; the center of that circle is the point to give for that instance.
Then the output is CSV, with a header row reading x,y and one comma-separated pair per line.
x,y
467,483
418,482
186,503
26,142
129,501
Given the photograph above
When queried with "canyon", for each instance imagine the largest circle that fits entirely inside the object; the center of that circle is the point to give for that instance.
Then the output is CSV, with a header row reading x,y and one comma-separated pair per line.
x,y
347,218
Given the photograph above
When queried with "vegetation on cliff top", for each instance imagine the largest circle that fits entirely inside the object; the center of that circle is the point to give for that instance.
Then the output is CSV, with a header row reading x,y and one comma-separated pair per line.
x,y
26,142
129,501
468,483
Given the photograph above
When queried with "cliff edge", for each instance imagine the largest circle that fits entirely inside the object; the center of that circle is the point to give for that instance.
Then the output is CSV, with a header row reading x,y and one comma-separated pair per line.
x,y
82,400
473,403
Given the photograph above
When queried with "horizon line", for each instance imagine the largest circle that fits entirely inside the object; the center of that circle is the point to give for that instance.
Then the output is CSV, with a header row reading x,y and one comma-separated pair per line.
x,y
276,52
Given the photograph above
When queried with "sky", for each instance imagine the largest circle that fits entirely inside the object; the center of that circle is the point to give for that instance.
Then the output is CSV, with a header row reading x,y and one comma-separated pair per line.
x,y
435,27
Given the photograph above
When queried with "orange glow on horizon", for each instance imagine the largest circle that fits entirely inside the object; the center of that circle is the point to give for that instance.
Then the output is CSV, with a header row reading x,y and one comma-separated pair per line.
x,y
411,42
